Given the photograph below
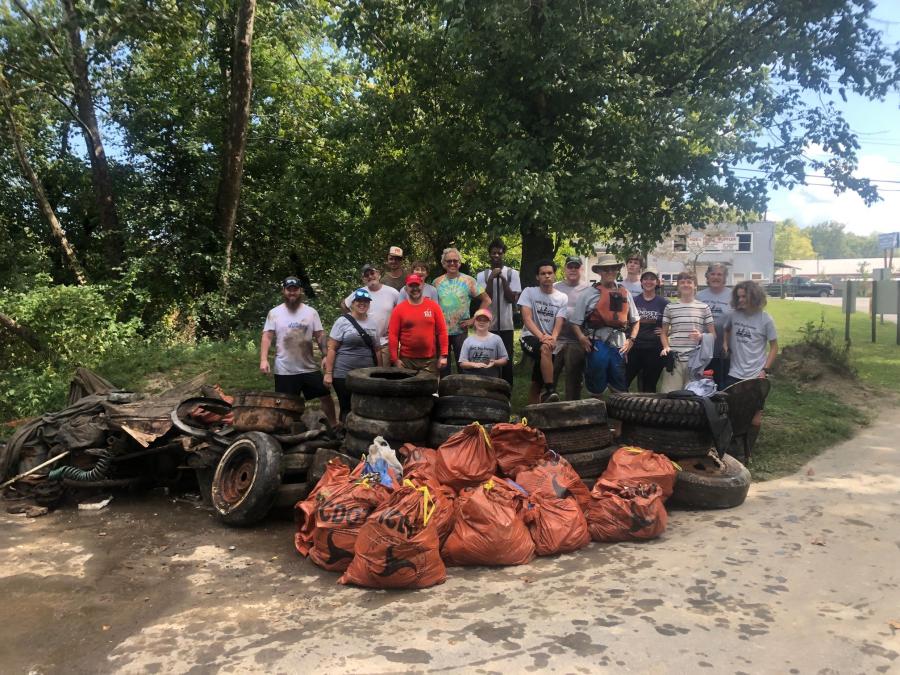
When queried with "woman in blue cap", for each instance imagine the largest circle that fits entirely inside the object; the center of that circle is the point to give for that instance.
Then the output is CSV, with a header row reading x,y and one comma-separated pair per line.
x,y
352,344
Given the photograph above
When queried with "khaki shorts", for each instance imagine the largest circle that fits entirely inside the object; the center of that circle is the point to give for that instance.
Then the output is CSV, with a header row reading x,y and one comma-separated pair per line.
x,y
428,365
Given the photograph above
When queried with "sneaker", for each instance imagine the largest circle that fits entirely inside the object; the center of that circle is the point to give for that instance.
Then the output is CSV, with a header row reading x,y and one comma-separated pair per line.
x,y
549,396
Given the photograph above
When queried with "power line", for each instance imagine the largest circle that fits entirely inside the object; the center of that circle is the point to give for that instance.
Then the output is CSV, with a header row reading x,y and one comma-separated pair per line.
x,y
817,175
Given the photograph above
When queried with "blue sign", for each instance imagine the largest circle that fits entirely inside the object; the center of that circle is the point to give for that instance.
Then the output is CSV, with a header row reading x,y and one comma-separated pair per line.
x,y
889,240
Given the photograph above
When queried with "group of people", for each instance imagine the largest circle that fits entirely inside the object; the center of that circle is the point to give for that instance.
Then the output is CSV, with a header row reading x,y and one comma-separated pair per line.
x,y
605,334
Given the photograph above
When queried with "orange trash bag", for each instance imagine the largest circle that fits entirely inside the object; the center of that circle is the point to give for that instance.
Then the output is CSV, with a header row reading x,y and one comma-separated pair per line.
x,y
415,458
466,458
630,463
490,527
398,546
339,518
336,474
517,446
553,476
626,511
556,525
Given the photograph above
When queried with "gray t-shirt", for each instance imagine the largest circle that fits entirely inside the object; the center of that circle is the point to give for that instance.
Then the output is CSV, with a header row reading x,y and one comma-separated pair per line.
x,y
585,302
720,306
483,350
545,307
294,337
383,302
566,335
748,342
634,287
353,352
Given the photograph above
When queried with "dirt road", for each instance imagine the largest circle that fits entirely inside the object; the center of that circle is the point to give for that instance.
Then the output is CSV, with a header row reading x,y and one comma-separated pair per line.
x,y
804,578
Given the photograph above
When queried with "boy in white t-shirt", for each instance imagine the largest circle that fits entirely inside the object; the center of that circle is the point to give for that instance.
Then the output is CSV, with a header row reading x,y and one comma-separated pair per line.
x,y
483,353
295,326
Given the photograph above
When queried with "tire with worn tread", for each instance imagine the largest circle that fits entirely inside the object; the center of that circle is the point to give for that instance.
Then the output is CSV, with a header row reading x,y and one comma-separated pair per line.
x,y
565,414
391,407
673,443
702,484
391,382
296,463
656,410
392,430
245,483
471,408
592,463
475,385
578,439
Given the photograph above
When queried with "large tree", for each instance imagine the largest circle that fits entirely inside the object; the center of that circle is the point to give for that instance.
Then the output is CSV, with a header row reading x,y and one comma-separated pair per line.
x,y
560,120
792,243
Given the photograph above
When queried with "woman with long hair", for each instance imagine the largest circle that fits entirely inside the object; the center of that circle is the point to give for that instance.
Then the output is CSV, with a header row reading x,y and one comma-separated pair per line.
x,y
750,336
644,360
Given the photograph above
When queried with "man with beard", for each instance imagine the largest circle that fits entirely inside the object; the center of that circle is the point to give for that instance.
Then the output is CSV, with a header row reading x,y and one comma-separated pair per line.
x,y
394,274
295,327
384,299
417,324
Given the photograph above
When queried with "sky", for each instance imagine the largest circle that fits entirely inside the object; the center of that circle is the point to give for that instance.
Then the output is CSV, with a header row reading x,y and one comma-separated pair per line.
x,y
877,125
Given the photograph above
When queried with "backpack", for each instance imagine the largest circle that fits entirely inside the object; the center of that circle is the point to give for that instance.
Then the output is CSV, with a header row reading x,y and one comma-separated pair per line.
x,y
611,309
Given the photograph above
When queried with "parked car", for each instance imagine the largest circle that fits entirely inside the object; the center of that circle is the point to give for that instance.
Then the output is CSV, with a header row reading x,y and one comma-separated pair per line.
x,y
800,287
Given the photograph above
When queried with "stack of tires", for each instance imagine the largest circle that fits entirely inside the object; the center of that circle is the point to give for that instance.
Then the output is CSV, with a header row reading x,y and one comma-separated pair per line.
x,y
465,399
394,403
577,430
679,429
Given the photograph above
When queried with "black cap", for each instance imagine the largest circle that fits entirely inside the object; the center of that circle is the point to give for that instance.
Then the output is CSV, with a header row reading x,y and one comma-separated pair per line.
x,y
573,260
291,282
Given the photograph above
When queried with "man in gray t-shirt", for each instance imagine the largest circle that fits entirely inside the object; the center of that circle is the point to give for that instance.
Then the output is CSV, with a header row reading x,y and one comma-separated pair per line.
x,y
570,359
718,297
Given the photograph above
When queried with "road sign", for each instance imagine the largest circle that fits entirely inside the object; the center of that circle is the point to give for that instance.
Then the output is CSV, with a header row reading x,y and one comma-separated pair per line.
x,y
888,240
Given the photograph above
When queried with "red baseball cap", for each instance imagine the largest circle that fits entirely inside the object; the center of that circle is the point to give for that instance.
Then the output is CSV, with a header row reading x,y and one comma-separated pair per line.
x,y
413,279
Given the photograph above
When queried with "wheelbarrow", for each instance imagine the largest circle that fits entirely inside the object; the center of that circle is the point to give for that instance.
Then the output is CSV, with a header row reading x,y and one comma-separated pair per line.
x,y
745,405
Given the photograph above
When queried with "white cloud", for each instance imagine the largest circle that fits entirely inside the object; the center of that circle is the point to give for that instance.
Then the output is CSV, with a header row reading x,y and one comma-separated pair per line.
x,y
809,205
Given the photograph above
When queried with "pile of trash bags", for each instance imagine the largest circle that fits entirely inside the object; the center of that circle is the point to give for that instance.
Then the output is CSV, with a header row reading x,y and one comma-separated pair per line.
x,y
482,498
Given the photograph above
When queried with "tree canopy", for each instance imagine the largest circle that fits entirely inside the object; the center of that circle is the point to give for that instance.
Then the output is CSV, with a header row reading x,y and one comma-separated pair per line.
x,y
554,124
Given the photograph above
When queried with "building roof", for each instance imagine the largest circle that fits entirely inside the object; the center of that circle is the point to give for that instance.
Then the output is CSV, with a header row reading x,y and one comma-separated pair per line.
x,y
833,266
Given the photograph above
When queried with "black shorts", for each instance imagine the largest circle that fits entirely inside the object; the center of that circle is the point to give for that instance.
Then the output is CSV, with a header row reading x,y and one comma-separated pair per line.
x,y
532,347
310,385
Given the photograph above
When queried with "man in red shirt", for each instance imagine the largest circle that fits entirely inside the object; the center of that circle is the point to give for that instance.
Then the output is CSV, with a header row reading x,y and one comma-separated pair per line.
x,y
417,325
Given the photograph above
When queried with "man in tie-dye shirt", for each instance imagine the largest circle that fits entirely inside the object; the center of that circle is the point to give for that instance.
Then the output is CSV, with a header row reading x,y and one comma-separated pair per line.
x,y
455,290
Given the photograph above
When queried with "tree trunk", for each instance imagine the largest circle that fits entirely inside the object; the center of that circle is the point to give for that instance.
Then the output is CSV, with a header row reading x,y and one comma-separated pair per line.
x,y
103,191
236,134
23,332
39,193
537,244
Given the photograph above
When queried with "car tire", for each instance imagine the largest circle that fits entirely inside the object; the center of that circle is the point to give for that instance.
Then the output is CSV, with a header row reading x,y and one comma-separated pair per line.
x,y
289,494
823,294
564,414
475,385
391,382
592,463
392,430
295,463
391,407
578,439
673,443
657,410
246,480
703,484
471,408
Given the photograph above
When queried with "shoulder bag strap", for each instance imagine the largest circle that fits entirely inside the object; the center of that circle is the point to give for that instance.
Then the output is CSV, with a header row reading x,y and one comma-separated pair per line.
x,y
366,338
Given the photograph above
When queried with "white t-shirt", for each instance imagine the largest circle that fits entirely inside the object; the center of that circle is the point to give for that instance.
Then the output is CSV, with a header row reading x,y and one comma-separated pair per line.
x,y
383,302
500,308
545,307
294,338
